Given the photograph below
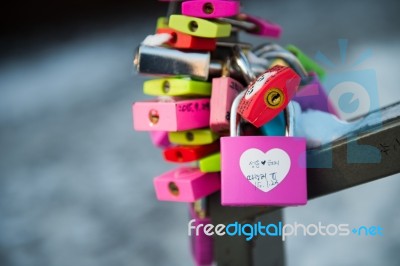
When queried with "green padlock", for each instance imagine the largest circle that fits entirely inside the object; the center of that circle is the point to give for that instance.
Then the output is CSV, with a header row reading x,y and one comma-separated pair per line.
x,y
193,137
199,27
176,87
308,64
211,164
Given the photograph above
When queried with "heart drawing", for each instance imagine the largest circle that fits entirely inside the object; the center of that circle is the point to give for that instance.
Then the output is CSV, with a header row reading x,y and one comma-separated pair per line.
x,y
265,170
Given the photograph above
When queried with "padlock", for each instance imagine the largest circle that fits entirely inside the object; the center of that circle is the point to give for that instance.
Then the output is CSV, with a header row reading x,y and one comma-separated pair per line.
x,y
268,95
211,163
160,139
290,60
193,137
313,96
186,184
171,115
254,25
201,244
184,154
199,27
224,91
180,40
161,61
210,8
309,64
262,170
176,87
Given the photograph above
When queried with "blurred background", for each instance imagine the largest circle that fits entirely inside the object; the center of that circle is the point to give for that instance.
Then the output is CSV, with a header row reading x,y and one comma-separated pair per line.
x,y
76,180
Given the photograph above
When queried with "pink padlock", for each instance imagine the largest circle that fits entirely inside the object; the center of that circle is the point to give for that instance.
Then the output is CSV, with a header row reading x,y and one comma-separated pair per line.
x,y
202,245
262,170
171,114
160,139
263,27
186,184
224,91
210,8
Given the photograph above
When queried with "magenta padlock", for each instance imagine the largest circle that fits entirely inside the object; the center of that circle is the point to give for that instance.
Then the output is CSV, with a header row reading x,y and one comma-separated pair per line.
x,y
313,96
171,114
210,8
201,244
263,170
224,91
160,139
263,27
186,184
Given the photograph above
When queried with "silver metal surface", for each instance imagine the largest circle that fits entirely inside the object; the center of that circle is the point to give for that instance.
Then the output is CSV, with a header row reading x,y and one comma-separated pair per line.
x,y
160,61
242,64
170,62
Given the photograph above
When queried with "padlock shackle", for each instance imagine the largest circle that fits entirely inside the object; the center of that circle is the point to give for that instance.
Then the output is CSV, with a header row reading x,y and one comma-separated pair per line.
x,y
234,125
240,61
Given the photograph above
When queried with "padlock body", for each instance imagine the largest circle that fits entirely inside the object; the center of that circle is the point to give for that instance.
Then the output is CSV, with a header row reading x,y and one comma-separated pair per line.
x,y
313,96
176,115
264,27
201,244
263,171
186,184
211,163
259,105
184,154
210,8
199,27
160,139
182,40
193,137
176,87
224,91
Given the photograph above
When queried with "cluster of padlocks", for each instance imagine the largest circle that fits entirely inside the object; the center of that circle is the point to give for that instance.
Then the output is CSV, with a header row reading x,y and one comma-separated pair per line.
x,y
210,88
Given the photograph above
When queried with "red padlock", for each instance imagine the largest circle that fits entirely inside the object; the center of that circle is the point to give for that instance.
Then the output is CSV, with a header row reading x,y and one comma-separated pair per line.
x,y
182,40
268,95
183,154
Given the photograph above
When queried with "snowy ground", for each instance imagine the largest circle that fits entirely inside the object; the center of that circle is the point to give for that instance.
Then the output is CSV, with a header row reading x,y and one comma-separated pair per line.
x,y
76,180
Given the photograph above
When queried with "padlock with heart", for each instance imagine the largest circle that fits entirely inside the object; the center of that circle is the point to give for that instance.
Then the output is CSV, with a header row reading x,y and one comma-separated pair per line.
x,y
262,170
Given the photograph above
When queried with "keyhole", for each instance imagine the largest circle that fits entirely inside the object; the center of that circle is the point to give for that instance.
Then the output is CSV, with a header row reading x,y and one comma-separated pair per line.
x,y
154,117
179,156
275,98
189,136
208,8
166,87
173,189
174,38
193,26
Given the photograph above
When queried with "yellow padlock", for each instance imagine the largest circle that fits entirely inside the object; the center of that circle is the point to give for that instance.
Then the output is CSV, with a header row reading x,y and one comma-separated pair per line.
x,y
199,27
176,87
210,164
193,137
